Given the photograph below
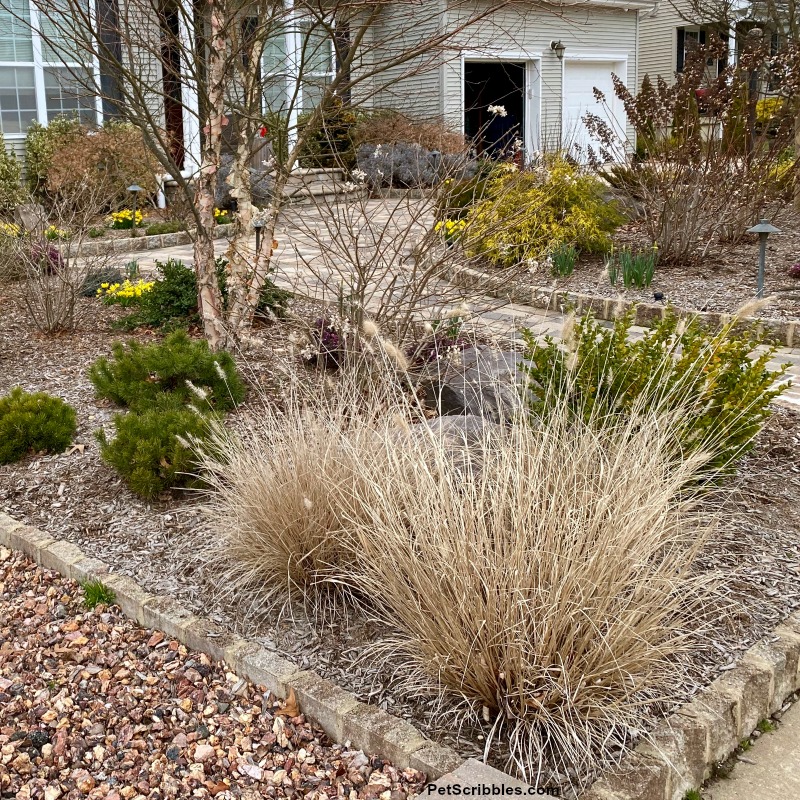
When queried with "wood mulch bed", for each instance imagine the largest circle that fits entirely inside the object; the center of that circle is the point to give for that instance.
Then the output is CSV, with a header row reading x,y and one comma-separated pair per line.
x,y
722,282
76,496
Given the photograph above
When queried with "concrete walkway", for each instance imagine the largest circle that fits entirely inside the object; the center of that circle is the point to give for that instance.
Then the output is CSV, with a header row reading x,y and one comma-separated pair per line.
x,y
772,769
386,230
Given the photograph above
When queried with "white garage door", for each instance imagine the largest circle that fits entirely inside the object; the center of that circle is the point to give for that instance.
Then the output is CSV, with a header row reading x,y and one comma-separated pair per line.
x,y
580,80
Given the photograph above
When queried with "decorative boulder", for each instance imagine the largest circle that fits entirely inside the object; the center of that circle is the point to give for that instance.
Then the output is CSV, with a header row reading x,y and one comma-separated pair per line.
x,y
482,382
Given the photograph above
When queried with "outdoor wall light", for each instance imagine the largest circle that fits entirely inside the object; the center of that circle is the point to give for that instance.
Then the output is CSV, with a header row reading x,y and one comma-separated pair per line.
x,y
558,48
258,225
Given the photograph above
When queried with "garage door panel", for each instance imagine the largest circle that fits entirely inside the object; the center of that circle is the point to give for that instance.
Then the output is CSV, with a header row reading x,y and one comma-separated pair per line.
x,y
580,80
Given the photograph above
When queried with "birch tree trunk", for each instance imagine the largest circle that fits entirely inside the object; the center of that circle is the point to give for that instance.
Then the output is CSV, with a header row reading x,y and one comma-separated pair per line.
x,y
209,297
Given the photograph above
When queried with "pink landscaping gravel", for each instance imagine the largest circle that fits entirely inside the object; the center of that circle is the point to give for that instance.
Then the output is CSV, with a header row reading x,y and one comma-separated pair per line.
x,y
93,706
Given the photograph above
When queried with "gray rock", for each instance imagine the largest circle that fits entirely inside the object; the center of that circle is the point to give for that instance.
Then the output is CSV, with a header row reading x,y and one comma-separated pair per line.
x,y
31,217
260,182
483,382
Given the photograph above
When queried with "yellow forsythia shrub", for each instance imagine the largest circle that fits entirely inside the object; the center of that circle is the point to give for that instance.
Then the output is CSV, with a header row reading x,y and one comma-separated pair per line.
x,y
527,214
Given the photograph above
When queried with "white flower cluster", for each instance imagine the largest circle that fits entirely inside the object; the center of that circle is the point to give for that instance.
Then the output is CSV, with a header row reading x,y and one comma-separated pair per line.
x,y
500,111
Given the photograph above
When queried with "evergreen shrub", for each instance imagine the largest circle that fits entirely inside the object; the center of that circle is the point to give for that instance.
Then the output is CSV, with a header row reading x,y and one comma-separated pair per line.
x,y
32,423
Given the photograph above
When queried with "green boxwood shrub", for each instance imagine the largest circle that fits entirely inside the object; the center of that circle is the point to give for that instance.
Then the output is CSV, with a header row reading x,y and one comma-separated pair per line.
x,y
137,374
10,189
172,302
32,423
170,226
526,215
153,451
706,377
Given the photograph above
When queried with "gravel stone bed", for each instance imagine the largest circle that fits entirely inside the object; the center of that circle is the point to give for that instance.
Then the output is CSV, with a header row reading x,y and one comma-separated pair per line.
x,y
93,706
75,496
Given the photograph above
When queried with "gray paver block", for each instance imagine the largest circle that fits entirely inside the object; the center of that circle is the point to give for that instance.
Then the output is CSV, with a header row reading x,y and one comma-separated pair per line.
x,y
268,669
30,541
753,682
61,556
434,760
324,702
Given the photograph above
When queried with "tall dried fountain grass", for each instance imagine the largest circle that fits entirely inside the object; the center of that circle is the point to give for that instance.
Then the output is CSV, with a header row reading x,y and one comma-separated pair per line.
x,y
538,579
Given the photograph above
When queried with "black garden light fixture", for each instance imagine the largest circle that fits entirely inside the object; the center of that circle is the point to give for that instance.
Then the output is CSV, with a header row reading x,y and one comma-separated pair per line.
x,y
763,229
258,224
558,47
134,190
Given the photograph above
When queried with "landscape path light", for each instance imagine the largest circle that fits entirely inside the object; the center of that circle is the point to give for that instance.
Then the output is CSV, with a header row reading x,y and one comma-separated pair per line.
x,y
763,229
134,190
258,224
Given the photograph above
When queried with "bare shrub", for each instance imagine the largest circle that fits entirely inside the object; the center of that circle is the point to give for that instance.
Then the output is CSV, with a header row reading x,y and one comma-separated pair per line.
x,y
113,157
537,577
705,171
392,127
52,262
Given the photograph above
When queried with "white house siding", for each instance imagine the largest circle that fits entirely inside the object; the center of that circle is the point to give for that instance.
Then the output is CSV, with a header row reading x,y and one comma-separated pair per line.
x,y
658,39
416,86
527,29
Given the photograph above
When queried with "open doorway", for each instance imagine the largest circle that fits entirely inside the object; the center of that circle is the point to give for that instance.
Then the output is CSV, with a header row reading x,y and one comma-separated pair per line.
x,y
494,83
173,83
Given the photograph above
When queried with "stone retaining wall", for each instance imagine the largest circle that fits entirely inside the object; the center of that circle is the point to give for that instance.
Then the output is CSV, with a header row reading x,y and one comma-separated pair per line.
x,y
137,244
782,332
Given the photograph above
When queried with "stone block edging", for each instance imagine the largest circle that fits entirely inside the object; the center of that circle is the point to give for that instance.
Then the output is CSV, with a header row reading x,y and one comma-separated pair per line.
x,y
338,712
682,751
783,332
142,243
678,755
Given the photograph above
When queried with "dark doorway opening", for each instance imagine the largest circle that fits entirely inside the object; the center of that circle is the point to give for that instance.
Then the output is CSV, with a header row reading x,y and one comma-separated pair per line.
x,y
171,67
497,83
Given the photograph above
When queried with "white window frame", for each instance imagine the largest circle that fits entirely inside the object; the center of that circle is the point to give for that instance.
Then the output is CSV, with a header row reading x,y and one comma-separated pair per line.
x,y
294,38
40,65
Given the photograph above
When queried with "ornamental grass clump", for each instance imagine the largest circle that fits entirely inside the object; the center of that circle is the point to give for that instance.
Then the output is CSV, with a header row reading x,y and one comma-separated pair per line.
x,y
535,581
604,374
30,423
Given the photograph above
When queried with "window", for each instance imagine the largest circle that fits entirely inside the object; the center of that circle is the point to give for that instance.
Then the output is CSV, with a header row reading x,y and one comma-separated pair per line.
x,y
275,63
690,40
65,93
314,66
317,64
16,40
59,73
17,99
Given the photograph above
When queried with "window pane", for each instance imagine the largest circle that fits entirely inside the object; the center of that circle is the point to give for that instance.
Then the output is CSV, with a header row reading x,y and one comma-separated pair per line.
x,y
15,33
313,91
61,35
274,89
317,51
275,53
17,99
64,94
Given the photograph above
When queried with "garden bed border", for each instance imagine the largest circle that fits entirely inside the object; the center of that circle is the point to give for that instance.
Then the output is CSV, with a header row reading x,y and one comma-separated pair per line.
x,y
785,333
679,754
135,244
